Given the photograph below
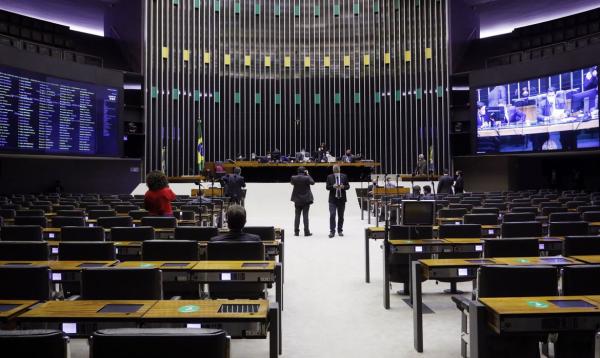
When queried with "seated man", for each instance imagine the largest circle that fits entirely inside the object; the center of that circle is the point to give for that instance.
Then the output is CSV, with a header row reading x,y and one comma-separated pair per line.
x,y
236,219
201,199
415,195
427,193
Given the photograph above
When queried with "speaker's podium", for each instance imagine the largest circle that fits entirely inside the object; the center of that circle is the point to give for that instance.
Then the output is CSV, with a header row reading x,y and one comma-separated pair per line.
x,y
209,192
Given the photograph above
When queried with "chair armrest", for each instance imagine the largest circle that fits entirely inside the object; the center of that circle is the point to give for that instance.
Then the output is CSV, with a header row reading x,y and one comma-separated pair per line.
x,y
462,303
73,298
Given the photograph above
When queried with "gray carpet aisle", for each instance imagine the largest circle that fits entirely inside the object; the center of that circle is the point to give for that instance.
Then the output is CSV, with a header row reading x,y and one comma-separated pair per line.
x,y
329,310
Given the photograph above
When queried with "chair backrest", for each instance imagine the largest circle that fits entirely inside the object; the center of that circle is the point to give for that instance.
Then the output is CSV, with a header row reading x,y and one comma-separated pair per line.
x,y
499,206
20,282
46,208
197,233
550,204
591,216
568,228
266,233
164,250
35,343
191,207
459,231
24,250
522,229
226,250
95,214
513,247
552,209
98,207
518,217
74,212
586,208
138,214
517,281
115,221
60,221
31,220
575,204
481,219
525,209
81,250
160,342
8,213
452,213
57,208
223,250
400,232
461,205
121,284
485,211
581,245
580,280
159,221
126,208
82,233
560,217
139,233
184,215
21,233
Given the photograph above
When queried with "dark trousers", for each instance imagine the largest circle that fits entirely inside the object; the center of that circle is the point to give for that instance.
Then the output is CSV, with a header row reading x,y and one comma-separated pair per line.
x,y
338,206
301,209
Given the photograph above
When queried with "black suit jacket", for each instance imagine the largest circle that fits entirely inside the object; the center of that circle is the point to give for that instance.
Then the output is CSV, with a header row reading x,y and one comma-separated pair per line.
x,y
302,195
233,186
235,236
332,190
445,185
459,185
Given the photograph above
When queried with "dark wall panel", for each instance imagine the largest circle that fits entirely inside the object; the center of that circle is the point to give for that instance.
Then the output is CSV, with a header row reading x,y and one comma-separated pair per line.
x,y
389,111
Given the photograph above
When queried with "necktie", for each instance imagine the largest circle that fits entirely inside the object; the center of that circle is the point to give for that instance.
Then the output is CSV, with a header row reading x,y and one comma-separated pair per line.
x,y
338,192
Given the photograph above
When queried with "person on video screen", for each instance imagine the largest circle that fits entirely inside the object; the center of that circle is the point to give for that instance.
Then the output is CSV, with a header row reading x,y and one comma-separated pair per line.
x,y
551,106
515,115
590,80
483,120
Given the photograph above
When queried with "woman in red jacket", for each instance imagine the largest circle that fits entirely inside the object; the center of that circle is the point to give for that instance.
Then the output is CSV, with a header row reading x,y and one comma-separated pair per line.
x,y
157,199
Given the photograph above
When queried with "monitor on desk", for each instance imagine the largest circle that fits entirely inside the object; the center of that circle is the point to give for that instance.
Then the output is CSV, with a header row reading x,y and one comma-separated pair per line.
x,y
418,213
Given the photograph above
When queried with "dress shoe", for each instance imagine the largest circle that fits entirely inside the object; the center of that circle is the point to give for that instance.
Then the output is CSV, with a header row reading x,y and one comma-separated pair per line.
x,y
331,234
308,234
296,233
340,233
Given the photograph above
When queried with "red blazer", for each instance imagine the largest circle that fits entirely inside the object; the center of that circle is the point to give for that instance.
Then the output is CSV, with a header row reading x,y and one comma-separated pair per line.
x,y
158,202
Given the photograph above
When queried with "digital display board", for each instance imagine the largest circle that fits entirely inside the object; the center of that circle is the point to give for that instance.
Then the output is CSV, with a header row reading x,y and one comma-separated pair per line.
x,y
42,114
551,113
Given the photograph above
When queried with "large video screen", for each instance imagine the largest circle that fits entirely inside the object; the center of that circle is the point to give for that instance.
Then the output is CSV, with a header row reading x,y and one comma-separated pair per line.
x,y
41,114
551,113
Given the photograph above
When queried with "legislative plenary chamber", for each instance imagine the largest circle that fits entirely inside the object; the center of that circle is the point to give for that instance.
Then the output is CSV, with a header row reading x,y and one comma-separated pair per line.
x,y
299,178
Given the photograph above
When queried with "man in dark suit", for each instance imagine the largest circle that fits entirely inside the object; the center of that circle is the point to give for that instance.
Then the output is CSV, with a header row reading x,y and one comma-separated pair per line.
x,y
421,165
445,183
337,184
233,184
459,182
236,219
302,197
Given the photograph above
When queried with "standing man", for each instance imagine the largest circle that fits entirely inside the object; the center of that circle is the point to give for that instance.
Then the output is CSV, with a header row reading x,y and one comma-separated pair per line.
x,y
302,198
459,182
337,184
421,165
445,183
233,184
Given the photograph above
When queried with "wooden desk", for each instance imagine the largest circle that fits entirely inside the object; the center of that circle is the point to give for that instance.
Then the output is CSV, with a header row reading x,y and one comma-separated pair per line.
x,y
461,268
266,320
84,310
590,259
540,314
11,308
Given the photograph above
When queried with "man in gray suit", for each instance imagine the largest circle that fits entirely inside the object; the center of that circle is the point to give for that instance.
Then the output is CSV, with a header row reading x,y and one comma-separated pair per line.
x,y
302,198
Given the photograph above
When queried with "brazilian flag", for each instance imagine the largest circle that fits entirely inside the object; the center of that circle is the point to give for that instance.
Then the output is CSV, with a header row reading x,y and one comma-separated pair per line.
x,y
200,146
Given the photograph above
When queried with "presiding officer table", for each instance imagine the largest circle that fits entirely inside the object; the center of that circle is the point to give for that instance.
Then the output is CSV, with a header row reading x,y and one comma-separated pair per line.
x,y
282,172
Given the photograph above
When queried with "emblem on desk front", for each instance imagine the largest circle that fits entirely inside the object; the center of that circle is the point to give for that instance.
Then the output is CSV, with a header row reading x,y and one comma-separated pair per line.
x,y
188,309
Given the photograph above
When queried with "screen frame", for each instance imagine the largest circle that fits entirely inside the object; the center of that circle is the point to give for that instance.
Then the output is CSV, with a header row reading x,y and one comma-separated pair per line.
x,y
70,71
433,212
502,75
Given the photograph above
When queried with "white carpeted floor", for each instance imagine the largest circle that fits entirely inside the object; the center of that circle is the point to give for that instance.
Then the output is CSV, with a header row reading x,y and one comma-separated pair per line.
x,y
329,309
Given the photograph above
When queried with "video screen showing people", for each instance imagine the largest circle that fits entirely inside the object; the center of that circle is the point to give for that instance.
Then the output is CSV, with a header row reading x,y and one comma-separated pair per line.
x,y
552,113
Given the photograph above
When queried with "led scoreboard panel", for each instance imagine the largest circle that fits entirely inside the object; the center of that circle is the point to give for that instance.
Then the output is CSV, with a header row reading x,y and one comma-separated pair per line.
x,y
42,114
